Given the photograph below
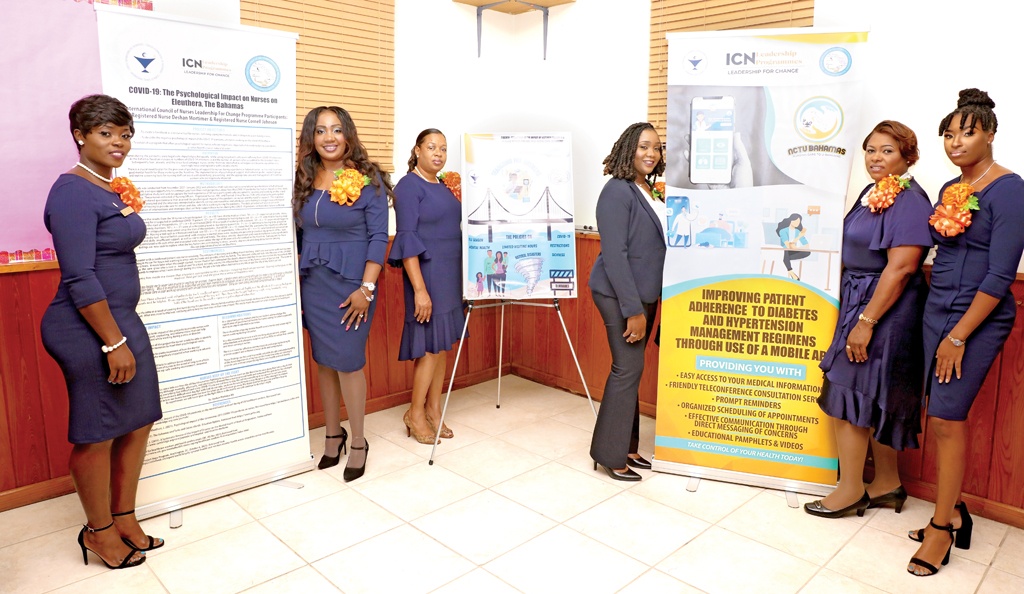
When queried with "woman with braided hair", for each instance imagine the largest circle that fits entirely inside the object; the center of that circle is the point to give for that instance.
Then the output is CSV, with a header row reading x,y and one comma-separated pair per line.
x,y
626,285
970,309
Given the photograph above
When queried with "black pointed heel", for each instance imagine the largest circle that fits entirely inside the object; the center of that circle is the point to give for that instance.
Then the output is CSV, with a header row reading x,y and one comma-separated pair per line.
x,y
638,462
329,461
945,560
126,562
897,497
817,508
629,475
154,543
353,472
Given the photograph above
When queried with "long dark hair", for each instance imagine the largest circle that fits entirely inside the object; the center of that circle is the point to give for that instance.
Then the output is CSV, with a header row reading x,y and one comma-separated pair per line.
x,y
786,221
309,160
619,162
974,104
419,140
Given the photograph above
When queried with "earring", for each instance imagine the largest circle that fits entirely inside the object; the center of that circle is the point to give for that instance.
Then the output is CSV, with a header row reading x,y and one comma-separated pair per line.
x,y
81,142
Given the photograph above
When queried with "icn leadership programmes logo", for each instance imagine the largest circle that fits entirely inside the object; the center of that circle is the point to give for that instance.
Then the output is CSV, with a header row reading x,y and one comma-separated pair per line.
x,y
144,61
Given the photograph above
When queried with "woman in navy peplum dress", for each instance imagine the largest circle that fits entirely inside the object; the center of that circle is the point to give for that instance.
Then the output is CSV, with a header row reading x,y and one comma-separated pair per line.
x,y
428,245
342,243
93,332
970,309
874,371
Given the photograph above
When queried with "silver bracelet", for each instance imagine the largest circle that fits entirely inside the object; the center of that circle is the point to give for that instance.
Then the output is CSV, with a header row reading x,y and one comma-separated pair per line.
x,y
368,297
113,347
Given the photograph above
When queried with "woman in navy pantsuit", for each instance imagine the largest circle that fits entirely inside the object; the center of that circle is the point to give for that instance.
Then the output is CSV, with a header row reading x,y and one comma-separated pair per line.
x,y
626,285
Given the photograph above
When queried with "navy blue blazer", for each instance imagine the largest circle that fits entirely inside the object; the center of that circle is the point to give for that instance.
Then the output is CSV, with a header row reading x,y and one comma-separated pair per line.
x,y
630,265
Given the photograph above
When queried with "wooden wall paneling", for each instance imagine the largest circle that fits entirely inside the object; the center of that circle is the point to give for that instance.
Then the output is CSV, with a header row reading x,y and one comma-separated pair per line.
x,y
399,373
9,356
24,409
980,424
52,389
1006,481
377,345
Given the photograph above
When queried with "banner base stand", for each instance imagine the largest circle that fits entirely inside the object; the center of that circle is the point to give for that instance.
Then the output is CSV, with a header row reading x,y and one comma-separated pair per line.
x,y
176,518
693,484
791,500
791,487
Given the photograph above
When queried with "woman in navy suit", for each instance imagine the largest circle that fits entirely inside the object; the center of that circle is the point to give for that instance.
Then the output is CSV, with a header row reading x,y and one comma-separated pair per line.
x,y
626,285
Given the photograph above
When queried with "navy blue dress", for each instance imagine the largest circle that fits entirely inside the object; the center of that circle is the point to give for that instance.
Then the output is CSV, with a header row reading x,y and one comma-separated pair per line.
x,y
428,214
982,258
337,242
95,246
884,392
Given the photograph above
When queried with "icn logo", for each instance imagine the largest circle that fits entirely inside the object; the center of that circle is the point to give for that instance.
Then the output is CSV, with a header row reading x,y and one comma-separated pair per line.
x,y
696,62
144,61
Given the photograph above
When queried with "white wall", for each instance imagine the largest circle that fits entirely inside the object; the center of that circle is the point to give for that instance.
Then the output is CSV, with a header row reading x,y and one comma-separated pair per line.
x,y
593,83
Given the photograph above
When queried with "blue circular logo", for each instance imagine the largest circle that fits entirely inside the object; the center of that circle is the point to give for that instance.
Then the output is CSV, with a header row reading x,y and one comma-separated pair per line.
x,y
819,119
835,61
262,73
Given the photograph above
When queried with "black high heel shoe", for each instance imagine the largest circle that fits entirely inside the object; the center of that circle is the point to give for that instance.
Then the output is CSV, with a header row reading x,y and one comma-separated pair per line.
x,y
353,472
945,560
126,562
963,533
154,543
638,462
897,496
629,475
329,461
817,508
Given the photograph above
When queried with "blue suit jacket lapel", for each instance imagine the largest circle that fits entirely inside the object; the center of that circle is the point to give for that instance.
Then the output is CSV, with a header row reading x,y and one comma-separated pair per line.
x,y
650,210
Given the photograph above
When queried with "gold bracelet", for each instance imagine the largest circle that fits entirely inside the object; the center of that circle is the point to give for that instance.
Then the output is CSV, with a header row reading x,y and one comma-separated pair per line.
x,y
864,318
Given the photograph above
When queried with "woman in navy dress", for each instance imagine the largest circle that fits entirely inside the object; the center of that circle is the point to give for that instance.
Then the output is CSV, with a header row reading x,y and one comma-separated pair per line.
x,y
874,370
342,245
93,332
428,245
970,310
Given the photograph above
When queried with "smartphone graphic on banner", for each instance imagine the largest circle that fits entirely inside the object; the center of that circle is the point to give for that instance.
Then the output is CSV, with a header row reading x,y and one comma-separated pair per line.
x,y
712,123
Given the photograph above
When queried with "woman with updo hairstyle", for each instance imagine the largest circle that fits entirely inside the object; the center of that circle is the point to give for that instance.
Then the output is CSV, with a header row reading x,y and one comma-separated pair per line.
x,y
343,238
428,247
977,225
874,370
625,284
92,330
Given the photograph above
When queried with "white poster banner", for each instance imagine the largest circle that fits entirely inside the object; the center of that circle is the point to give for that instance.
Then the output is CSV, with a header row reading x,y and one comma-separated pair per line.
x,y
213,156
518,236
764,128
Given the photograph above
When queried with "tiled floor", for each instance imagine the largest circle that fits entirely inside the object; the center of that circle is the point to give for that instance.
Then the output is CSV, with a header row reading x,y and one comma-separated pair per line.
x,y
511,504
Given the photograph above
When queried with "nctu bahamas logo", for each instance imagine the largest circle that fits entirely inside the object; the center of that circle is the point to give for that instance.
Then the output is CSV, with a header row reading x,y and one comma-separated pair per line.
x,y
818,119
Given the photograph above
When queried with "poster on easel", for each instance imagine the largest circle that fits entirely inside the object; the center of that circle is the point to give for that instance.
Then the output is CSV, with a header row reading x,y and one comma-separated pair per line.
x,y
518,235
764,129
213,156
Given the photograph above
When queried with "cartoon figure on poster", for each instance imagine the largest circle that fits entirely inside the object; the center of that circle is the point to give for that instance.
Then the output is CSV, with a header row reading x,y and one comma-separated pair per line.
x,y
520,242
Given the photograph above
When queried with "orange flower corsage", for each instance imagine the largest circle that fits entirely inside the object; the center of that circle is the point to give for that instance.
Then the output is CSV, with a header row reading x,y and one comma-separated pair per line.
x,y
658,191
884,193
348,185
454,182
129,193
953,216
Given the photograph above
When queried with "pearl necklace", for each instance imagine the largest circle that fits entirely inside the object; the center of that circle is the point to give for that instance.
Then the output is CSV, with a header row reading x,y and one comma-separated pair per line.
x,y
982,175
416,169
106,179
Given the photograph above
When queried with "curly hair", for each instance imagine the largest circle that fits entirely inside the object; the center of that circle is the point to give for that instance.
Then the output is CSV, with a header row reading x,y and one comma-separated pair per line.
x,y
619,162
419,140
905,139
92,111
975,105
355,155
